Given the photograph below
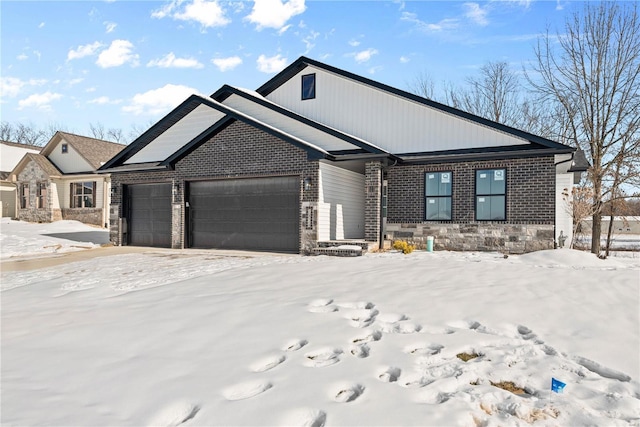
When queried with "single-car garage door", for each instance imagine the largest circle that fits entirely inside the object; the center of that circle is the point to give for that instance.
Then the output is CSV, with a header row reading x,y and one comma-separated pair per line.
x,y
149,215
259,214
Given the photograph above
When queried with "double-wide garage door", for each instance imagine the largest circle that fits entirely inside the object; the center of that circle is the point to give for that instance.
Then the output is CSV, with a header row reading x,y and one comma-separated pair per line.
x,y
253,214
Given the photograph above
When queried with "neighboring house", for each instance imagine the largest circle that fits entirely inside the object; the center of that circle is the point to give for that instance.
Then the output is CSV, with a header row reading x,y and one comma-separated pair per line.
x,y
10,155
60,182
318,154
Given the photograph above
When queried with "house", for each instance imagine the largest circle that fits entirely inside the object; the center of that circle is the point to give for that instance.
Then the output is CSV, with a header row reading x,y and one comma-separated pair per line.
x,y
60,181
318,154
10,155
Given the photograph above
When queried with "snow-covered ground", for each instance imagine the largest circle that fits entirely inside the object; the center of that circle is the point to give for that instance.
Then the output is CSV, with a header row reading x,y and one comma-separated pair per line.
x,y
171,337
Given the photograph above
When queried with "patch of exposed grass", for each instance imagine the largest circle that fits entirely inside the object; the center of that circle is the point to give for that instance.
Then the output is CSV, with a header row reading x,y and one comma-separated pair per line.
x,y
509,386
465,357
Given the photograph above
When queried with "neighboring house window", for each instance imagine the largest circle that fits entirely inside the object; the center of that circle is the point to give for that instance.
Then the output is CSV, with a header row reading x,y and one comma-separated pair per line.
x,y
83,194
41,194
65,148
24,196
308,86
491,191
438,196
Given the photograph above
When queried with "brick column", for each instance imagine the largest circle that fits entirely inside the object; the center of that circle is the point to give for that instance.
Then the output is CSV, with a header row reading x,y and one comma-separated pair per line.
x,y
373,194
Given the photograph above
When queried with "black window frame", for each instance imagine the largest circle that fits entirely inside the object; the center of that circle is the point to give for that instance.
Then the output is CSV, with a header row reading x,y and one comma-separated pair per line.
x,y
78,200
304,86
446,196
64,148
492,194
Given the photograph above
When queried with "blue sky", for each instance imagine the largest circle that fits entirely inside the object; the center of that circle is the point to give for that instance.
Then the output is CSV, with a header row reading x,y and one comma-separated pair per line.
x,y
127,63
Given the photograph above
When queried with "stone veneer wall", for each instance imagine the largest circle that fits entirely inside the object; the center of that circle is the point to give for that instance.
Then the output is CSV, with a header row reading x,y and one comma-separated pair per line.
x,y
506,238
238,151
87,215
530,203
32,174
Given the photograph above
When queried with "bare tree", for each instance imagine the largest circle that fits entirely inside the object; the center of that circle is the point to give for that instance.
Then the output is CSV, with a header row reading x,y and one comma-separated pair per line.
x,y
115,135
97,130
423,85
593,73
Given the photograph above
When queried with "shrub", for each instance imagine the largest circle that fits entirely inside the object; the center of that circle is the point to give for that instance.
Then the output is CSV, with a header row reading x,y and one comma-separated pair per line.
x,y
401,245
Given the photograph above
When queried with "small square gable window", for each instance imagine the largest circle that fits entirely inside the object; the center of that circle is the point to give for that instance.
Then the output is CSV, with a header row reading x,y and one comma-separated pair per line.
x,y
308,86
65,148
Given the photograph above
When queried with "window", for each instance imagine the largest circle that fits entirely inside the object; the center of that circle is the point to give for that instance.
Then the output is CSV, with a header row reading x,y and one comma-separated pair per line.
x,y
437,186
491,190
308,86
83,194
41,195
65,148
24,196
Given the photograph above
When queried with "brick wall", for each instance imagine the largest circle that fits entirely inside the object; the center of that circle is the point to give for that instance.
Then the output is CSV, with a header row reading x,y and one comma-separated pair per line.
x,y
530,190
530,206
238,151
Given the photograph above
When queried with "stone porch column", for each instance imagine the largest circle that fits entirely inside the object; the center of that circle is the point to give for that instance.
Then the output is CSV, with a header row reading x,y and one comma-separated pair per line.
x,y
373,195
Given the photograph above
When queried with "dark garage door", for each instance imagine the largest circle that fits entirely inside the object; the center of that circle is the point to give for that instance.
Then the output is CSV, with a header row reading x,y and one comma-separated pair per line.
x,y
149,215
259,214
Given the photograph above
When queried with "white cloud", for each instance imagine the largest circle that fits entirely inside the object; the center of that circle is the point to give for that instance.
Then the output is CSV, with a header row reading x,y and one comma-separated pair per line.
x,y
110,26
404,59
272,64
354,43
309,41
375,69
170,61
10,87
37,53
75,81
22,57
476,13
84,50
444,24
274,13
104,100
364,55
226,64
117,54
90,89
158,101
282,30
41,101
41,25
206,13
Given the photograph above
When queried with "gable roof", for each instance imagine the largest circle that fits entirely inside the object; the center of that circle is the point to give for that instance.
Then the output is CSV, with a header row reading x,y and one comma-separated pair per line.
x,y
42,161
21,145
304,62
170,150
95,151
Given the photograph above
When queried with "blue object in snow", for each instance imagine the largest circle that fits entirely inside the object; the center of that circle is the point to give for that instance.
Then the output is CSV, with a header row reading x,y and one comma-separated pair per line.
x,y
557,385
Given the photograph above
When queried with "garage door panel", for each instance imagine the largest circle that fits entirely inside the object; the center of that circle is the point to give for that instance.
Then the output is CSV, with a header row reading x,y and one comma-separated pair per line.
x,y
252,214
149,215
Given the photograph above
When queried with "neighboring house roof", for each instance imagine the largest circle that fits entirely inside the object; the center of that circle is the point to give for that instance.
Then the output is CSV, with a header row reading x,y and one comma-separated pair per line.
x,y
95,151
11,153
579,162
21,145
49,168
